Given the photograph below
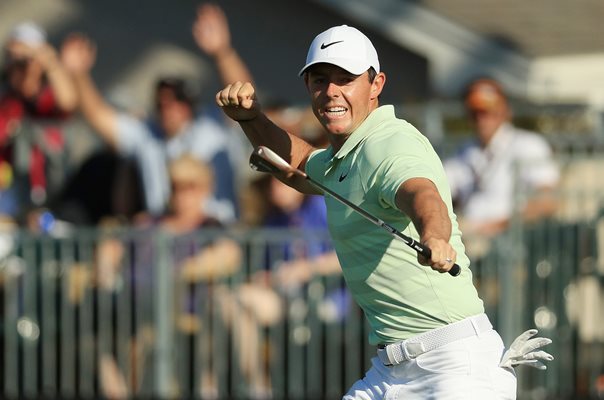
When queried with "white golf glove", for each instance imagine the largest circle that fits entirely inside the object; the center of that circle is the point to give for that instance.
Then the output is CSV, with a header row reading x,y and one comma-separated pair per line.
x,y
522,351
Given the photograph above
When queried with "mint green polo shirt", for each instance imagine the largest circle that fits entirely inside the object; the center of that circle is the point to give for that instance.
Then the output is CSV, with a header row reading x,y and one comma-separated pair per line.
x,y
400,297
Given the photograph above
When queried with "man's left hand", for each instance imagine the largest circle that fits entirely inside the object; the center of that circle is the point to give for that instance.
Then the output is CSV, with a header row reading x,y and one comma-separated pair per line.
x,y
522,351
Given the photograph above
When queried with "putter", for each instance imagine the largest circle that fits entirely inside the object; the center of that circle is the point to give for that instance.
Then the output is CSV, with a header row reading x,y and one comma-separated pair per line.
x,y
264,159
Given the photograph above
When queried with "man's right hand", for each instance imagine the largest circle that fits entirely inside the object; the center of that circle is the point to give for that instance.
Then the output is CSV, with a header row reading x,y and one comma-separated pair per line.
x,y
211,30
238,101
78,53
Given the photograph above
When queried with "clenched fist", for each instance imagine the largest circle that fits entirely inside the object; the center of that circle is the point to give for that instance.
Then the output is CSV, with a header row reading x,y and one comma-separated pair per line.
x,y
238,101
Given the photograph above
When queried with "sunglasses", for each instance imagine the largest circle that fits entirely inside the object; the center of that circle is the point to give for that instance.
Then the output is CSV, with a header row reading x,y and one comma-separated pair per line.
x,y
185,186
19,63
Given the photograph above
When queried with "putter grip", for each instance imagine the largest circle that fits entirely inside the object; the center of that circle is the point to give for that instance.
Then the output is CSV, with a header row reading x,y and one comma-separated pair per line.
x,y
417,246
426,252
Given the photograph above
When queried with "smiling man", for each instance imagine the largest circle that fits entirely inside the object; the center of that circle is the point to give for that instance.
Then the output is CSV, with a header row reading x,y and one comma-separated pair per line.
x,y
434,340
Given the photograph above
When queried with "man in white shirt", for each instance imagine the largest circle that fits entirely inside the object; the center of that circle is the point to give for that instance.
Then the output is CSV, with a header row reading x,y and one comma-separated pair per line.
x,y
175,128
490,173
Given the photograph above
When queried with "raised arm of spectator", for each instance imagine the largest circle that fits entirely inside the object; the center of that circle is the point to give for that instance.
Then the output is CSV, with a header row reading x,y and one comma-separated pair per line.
x,y
540,173
212,35
79,55
299,271
59,80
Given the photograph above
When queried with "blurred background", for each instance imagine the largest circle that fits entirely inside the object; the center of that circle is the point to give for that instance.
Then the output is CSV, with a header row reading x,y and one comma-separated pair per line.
x,y
141,257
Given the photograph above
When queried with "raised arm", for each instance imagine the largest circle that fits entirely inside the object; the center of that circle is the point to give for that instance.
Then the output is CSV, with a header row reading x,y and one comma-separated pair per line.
x,y
58,78
212,35
239,102
419,199
79,55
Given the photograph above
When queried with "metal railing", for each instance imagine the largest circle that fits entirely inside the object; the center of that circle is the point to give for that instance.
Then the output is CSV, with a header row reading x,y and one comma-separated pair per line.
x,y
117,314
97,315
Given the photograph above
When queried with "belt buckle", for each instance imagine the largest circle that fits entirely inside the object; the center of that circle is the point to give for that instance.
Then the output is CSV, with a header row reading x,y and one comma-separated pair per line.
x,y
412,350
407,350
393,354
404,351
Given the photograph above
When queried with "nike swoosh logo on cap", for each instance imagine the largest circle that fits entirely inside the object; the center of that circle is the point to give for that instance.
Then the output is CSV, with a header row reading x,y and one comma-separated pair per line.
x,y
324,46
343,176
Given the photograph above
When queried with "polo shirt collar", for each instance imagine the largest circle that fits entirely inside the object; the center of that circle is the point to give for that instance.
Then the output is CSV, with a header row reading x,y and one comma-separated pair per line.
x,y
365,129
500,139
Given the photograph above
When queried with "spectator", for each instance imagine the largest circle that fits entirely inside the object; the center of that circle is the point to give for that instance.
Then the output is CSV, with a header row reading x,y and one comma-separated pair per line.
x,y
501,161
199,263
174,130
307,258
280,273
296,261
36,96
104,186
192,183
291,209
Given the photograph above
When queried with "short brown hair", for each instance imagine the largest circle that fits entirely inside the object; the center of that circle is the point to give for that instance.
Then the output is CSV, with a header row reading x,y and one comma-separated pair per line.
x,y
181,89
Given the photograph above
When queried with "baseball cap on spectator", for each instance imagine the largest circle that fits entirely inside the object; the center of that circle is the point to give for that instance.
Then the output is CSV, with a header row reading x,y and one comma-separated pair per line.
x,y
484,95
345,47
29,33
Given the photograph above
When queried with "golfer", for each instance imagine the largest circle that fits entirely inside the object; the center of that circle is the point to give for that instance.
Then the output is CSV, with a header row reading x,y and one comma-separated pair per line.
x,y
434,340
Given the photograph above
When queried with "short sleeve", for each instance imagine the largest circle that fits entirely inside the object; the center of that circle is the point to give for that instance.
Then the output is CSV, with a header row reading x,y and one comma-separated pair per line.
x,y
459,175
315,165
537,165
397,169
132,134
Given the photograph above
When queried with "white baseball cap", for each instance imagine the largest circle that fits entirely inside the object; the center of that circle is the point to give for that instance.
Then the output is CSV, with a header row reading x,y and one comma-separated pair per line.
x,y
28,32
344,46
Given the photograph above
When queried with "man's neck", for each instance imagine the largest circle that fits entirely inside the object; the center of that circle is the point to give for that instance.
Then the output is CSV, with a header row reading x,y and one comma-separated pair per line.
x,y
337,141
177,130
497,136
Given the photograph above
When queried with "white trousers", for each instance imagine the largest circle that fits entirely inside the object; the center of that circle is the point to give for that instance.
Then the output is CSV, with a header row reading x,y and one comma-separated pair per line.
x,y
464,369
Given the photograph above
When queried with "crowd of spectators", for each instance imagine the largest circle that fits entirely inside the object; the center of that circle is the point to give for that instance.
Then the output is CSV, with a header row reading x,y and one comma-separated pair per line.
x,y
43,87
177,171
174,172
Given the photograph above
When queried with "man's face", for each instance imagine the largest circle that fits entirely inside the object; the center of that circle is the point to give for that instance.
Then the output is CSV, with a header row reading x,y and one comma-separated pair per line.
x,y
487,121
173,114
340,100
24,73
188,196
487,108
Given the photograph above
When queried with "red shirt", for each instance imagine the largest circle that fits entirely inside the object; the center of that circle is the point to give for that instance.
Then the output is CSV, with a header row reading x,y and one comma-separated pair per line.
x,y
13,110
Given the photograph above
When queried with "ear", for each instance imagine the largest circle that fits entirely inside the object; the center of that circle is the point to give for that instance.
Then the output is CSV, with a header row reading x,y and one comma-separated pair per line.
x,y
305,76
377,85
